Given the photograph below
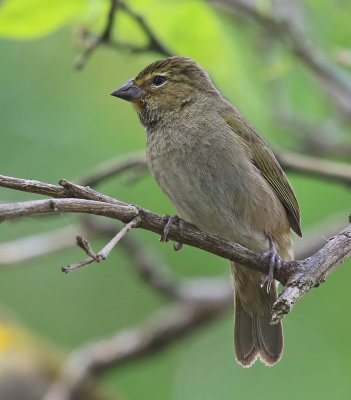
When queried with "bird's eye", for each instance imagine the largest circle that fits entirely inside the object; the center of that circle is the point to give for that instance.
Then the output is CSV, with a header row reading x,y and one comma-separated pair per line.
x,y
158,80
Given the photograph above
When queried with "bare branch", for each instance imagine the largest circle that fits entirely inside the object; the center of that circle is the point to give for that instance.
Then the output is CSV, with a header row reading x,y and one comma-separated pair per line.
x,y
149,221
66,190
308,273
312,272
34,246
26,208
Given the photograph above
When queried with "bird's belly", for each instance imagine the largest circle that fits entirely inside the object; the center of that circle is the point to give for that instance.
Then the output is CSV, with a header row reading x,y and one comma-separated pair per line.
x,y
209,199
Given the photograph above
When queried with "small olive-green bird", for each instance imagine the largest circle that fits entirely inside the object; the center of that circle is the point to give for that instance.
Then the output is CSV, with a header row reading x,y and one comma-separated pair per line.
x,y
221,176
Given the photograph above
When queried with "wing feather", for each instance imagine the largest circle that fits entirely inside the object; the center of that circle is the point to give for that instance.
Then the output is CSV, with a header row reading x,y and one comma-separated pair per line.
x,y
265,161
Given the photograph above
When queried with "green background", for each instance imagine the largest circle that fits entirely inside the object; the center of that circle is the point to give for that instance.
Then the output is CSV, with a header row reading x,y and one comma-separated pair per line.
x,y
57,122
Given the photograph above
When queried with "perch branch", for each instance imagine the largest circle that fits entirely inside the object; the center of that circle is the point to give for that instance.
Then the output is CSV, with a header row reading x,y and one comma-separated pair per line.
x,y
312,272
307,273
149,221
43,244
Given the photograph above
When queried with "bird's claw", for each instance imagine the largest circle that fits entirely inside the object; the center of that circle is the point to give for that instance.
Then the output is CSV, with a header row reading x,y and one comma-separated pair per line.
x,y
274,262
177,246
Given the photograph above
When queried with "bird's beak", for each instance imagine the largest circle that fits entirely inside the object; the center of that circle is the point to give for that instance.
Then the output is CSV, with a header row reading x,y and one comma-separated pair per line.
x,y
129,91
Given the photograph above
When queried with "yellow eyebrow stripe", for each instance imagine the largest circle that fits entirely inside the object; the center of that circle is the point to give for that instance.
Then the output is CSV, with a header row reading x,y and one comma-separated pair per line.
x,y
140,81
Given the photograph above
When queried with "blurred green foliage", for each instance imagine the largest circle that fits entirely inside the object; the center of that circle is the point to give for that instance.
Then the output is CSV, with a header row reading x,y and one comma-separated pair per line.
x,y
58,122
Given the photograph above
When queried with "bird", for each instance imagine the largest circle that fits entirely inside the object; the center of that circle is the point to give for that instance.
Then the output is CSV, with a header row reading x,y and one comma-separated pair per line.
x,y
222,177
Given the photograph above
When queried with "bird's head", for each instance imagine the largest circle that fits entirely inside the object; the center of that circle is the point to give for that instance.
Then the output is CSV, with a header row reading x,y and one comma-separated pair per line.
x,y
164,88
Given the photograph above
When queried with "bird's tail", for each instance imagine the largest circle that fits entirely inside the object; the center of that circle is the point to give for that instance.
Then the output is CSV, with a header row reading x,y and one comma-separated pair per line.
x,y
253,334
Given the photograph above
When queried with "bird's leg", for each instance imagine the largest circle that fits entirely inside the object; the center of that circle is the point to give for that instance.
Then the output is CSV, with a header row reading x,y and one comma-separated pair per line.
x,y
178,245
275,262
170,220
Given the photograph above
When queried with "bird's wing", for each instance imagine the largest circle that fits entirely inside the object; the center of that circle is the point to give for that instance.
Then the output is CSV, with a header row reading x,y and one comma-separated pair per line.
x,y
264,159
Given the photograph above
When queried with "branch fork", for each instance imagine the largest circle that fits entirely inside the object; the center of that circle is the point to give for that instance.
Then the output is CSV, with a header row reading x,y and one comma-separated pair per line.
x,y
105,251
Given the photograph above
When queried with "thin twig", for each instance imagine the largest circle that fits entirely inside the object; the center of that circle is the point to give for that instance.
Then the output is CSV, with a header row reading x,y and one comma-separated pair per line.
x,y
92,42
105,36
78,265
102,254
85,245
154,43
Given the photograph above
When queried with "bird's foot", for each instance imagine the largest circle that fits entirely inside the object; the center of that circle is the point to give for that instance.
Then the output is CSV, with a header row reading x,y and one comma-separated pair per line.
x,y
169,221
274,262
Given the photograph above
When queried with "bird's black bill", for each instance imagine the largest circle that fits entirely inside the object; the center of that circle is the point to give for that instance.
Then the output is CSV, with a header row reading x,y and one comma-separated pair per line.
x,y
129,91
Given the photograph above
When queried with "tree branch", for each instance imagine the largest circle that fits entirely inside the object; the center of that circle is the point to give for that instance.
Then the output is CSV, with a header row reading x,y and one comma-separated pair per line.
x,y
313,271
299,275
149,221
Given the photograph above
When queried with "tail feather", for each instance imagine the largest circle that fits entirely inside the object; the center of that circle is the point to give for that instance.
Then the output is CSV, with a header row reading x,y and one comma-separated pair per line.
x,y
254,336
244,344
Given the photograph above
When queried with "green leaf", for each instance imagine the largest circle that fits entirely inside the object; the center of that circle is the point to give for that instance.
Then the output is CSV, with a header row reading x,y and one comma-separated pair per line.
x,y
28,19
